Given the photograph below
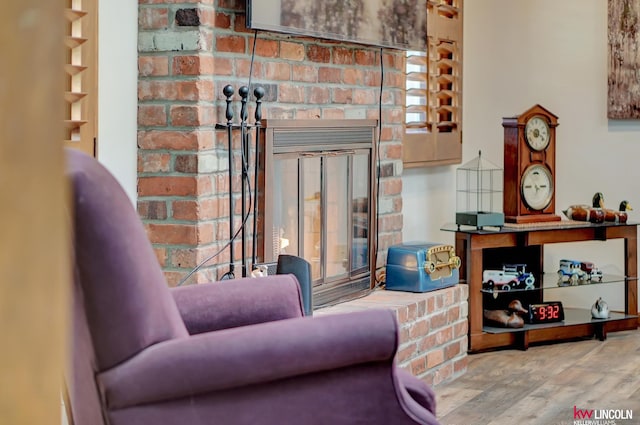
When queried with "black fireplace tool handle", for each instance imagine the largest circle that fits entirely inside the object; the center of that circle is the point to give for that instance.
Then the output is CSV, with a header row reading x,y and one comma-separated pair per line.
x,y
244,95
259,94
228,92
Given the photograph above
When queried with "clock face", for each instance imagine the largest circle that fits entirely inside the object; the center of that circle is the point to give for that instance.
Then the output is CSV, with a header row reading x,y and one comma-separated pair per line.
x,y
537,187
537,133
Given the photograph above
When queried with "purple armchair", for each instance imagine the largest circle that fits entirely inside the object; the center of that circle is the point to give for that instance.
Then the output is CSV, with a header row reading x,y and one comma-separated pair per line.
x,y
232,352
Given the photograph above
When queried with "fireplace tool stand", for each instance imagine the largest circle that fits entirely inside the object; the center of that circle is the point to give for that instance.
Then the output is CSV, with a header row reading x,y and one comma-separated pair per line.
x,y
244,172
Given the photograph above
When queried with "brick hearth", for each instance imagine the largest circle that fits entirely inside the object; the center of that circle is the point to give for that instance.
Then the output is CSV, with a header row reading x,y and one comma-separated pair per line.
x,y
433,329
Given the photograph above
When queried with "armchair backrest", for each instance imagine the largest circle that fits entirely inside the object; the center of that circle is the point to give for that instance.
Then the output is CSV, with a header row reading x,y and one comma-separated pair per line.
x,y
121,300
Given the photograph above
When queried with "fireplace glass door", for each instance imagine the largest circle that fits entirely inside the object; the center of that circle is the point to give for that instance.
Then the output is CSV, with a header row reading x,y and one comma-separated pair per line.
x,y
318,201
321,213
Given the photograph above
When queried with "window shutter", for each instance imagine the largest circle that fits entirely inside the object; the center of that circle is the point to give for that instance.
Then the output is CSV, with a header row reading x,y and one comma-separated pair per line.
x,y
433,116
81,91
417,91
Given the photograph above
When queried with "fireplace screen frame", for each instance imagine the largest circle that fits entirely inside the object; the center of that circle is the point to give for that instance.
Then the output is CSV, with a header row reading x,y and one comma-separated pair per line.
x,y
306,140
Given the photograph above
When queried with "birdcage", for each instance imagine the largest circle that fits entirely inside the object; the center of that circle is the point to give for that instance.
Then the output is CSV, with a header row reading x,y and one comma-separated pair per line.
x,y
479,194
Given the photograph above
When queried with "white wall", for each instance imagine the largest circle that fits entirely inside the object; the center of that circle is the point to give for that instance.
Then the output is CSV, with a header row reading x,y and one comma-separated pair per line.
x,y
118,96
518,54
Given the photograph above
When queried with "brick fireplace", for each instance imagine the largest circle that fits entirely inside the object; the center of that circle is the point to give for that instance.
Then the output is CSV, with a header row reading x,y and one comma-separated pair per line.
x,y
188,52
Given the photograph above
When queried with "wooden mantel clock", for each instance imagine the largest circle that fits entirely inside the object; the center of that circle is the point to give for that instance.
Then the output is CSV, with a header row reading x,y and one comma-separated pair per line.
x,y
530,166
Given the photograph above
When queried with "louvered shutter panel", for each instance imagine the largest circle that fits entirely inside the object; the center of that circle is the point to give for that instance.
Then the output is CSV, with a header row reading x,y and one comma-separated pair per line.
x,y
433,117
416,91
81,92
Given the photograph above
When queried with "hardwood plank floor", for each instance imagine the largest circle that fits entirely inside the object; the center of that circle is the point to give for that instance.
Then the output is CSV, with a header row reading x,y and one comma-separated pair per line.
x,y
544,384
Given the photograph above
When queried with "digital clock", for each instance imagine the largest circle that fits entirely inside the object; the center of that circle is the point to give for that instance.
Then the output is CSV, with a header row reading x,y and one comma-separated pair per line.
x,y
546,312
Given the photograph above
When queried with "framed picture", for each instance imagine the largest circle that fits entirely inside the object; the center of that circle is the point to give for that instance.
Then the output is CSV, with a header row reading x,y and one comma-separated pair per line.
x,y
624,59
400,24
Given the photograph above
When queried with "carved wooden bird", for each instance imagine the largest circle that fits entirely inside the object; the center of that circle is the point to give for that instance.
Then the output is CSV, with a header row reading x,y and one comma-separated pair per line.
x,y
614,216
584,212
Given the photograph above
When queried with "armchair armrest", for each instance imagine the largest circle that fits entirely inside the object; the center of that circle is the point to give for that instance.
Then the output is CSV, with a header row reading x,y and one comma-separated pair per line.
x,y
417,389
213,306
250,355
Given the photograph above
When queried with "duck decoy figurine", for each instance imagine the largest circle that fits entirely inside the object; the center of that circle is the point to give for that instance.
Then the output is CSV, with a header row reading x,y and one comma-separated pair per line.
x,y
600,309
504,319
509,318
584,212
619,216
597,213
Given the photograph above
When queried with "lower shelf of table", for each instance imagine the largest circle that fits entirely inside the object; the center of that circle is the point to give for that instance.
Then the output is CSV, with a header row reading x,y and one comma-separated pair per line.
x,y
578,323
572,316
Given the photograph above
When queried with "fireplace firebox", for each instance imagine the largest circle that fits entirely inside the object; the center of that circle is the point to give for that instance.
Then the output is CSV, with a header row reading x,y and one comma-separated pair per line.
x,y
317,201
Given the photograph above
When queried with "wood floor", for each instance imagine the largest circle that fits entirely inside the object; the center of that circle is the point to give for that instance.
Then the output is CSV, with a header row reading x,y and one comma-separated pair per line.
x,y
544,384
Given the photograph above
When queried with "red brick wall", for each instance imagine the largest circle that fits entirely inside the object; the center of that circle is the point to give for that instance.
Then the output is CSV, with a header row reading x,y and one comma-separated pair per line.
x,y
189,50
